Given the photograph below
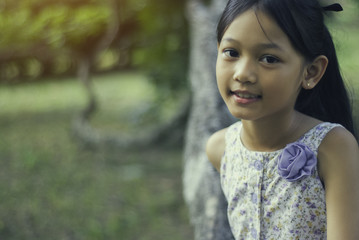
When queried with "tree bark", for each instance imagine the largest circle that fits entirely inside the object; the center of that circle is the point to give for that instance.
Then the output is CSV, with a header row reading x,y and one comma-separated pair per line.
x,y
84,62
170,131
83,74
202,191
167,134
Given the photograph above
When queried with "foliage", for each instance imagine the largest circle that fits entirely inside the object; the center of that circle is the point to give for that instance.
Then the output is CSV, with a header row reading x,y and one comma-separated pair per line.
x,y
48,31
56,24
167,55
152,32
68,27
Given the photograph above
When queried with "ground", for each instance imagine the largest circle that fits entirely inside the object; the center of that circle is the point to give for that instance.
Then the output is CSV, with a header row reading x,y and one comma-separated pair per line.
x,y
53,187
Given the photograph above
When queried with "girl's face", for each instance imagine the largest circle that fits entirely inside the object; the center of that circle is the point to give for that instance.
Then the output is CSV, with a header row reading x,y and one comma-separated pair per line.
x,y
259,73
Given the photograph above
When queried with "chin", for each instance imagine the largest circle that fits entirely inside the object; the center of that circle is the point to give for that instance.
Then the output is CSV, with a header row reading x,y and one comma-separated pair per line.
x,y
243,116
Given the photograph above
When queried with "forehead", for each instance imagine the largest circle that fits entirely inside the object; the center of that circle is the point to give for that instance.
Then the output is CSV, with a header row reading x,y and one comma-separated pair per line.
x,y
254,27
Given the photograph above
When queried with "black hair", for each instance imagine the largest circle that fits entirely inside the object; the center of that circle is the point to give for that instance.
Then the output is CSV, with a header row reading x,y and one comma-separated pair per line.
x,y
303,22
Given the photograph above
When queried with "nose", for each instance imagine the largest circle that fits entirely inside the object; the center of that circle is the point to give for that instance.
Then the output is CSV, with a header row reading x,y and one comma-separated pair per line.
x,y
244,71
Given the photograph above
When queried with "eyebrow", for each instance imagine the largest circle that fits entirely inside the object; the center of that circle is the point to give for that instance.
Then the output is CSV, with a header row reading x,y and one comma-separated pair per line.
x,y
263,46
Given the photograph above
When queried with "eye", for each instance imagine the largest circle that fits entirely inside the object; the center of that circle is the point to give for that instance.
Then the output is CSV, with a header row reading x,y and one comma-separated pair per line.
x,y
231,53
270,59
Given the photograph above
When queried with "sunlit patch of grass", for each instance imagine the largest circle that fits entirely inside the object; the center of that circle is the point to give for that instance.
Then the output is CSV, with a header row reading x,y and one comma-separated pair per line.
x,y
41,96
126,100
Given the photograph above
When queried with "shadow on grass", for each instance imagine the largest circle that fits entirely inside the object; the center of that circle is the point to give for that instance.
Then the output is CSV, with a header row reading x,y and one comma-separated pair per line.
x,y
51,188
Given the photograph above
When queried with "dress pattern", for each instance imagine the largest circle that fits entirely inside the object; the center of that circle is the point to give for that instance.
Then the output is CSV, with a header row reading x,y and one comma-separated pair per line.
x,y
264,205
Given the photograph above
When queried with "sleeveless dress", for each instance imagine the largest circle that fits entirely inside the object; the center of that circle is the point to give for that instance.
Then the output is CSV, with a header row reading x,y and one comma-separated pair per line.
x,y
275,195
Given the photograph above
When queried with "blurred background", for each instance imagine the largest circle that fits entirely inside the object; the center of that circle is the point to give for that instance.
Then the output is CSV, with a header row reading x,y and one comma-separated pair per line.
x,y
93,105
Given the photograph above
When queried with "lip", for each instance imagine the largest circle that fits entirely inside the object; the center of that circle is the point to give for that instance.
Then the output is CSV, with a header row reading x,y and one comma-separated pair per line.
x,y
244,97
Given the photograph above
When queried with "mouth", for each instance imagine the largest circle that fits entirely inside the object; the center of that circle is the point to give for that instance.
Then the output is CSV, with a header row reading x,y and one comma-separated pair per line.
x,y
244,97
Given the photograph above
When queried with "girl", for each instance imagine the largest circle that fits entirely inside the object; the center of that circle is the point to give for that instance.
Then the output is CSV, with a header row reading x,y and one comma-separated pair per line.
x,y
290,168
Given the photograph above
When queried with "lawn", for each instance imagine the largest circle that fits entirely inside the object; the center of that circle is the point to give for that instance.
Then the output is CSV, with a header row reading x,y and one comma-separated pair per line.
x,y
53,188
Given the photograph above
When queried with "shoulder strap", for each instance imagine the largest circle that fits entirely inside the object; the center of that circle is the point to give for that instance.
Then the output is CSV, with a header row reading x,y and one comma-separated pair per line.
x,y
231,139
314,137
232,133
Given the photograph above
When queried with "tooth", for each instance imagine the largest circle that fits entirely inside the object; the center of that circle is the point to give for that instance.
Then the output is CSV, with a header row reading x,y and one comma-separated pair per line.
x,y
246,95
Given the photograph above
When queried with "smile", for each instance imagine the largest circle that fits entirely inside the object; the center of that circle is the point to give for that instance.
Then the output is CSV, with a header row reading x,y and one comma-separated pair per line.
x,y
245,97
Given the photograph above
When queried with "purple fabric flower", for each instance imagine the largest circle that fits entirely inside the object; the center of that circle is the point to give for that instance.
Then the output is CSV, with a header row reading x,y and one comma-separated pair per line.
x,y
296,161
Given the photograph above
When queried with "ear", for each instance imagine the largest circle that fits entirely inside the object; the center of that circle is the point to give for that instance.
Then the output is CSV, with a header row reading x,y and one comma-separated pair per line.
x,y
314,72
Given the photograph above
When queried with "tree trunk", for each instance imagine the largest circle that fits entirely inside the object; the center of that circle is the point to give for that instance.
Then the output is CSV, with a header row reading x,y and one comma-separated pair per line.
x,y
84,67
81,124
201,181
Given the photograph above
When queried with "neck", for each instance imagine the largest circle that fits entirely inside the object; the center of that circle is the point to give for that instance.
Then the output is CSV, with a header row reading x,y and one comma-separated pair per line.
x,y
273,133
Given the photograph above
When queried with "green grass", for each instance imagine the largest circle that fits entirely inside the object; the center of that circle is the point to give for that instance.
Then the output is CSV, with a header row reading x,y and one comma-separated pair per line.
x,y
131,100
53,188
120,92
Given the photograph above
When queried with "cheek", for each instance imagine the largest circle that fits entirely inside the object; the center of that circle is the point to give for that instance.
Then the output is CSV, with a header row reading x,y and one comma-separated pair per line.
x,y
221,85
287,78
224,70
220,74
281,89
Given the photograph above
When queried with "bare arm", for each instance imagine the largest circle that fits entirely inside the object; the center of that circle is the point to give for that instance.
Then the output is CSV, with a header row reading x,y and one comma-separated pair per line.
x,y
339,168
215,148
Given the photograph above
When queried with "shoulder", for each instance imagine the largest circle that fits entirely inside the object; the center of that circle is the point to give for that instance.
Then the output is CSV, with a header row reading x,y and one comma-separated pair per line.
x,y
338,144
339,149
215,148
338,157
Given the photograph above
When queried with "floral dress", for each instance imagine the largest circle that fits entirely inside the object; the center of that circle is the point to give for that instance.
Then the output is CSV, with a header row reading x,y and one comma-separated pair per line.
x,y
275,195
